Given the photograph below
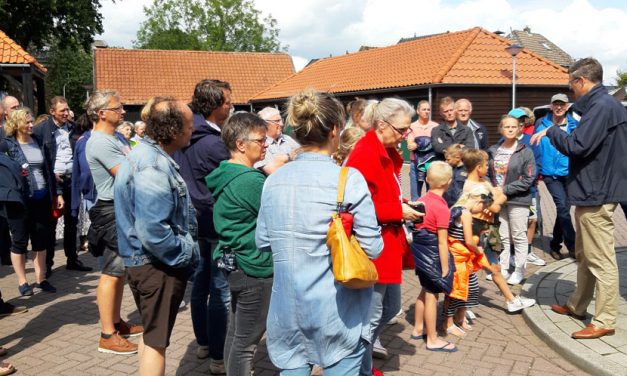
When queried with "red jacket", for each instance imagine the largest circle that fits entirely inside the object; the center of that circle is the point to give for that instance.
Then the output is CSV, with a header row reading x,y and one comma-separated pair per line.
x,y
380,167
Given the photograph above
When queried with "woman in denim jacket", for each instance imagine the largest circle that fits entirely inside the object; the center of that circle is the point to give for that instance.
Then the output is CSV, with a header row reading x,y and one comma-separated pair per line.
x,y
312,319
34,222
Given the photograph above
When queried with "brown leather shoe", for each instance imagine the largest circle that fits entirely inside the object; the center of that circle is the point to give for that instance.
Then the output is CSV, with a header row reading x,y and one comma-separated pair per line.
x,y
127,329
590,332
564,310
116,344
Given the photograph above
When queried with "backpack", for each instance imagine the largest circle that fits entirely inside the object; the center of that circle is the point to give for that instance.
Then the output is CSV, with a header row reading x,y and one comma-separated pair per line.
x,y
13,184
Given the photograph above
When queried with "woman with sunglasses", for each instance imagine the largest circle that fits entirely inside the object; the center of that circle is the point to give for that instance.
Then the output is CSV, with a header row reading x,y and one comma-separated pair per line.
x,y
376,157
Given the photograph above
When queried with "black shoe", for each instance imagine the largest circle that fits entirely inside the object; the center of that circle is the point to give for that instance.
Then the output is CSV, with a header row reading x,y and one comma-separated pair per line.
x,y
556,255
25,289
78,266
45,286
7,309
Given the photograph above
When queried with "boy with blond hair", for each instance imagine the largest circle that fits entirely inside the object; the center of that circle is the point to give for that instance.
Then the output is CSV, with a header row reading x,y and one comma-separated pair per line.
x,y
434,266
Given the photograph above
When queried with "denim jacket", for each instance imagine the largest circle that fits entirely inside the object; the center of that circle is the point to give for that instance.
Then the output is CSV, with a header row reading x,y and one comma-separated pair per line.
x,y
312,319
152,210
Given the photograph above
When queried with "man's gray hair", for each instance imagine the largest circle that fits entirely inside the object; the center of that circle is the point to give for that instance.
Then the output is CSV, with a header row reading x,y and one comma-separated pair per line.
x,y
99,100
139,124
387,109
268,112
589,68
463,100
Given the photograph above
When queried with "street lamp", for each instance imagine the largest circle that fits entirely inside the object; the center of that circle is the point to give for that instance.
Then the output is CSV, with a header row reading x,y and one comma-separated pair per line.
x,y
514,50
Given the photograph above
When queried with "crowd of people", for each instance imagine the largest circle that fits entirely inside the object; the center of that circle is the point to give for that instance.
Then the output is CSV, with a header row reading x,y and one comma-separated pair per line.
x,y
195,192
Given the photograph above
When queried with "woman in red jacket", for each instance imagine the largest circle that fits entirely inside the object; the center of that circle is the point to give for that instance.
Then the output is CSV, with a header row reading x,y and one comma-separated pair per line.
x,y
375,156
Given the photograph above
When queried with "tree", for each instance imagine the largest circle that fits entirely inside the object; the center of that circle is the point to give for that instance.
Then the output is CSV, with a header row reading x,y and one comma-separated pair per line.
x,y
621,78
69,67
34,24
216,25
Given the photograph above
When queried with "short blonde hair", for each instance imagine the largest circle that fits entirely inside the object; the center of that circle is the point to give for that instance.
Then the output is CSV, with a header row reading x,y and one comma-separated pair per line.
x,y
439,174
15,119
454,149
348,139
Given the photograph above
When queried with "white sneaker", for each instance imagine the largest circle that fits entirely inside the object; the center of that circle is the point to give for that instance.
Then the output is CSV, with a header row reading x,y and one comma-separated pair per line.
x,y
515,278
470,315
535,260
489,277
378,351
519,303
394,320
505,273
202,352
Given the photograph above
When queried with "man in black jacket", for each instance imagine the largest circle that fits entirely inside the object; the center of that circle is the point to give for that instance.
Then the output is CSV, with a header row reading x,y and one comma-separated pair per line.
x,y
55,134
211,105
596,184
451,131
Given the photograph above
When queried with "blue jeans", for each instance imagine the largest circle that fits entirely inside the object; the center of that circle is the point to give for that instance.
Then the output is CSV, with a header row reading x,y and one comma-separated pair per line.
x,y
415,185
563,230
209,320
348,366
249,310
385,304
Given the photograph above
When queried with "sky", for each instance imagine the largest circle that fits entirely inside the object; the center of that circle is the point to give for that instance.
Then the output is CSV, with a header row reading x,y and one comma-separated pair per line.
x,y
320,28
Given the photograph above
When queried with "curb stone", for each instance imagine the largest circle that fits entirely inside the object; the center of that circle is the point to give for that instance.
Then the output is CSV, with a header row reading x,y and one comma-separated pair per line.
x,y
573,350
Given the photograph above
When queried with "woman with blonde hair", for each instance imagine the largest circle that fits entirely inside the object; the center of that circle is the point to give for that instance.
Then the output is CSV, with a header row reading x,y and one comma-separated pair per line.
x,y
296,208
31,221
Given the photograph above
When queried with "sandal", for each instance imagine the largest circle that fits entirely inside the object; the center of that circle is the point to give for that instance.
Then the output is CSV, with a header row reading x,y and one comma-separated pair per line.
x,y
456,331
443,348
6,369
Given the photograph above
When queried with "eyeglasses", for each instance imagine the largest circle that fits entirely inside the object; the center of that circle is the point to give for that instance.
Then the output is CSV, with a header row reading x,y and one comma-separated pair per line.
x,y
259,141
403,131
278,122
570,83
118,109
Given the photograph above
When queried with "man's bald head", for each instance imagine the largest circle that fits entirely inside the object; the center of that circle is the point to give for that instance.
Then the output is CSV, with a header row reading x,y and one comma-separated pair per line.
x,y
10,104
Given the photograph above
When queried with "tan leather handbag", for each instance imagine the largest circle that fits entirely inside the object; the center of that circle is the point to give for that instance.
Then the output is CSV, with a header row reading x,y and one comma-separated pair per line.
x,y
351,267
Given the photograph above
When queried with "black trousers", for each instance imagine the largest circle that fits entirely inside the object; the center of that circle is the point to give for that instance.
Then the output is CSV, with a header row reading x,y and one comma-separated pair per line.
x,y
69,229
5,242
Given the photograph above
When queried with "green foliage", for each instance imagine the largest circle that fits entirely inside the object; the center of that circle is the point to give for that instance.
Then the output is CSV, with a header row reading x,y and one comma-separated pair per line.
x,y
215,25
621,78
71,67
34,24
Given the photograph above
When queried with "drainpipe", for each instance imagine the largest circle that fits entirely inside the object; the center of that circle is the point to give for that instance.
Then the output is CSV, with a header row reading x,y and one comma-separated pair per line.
x,y
430,105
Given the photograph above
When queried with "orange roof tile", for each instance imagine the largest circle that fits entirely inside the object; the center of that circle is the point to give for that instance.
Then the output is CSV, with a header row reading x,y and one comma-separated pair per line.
x,y
474,56
141,74
13,53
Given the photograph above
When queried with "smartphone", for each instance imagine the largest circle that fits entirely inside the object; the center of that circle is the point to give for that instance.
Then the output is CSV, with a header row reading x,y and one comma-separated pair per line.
x,y
420,208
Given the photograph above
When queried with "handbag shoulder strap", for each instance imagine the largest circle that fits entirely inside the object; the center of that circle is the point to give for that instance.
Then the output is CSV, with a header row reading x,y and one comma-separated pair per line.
x,y
341,186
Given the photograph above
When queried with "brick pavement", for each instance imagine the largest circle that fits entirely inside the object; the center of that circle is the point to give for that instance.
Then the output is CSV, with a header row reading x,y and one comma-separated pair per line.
x,y
59,333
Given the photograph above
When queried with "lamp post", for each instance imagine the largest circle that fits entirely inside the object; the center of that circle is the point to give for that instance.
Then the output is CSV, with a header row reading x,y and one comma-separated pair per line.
x,y
514,50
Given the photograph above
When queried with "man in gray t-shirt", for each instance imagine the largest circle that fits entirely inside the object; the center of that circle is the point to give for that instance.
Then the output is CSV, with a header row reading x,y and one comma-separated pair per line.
x,y
104,152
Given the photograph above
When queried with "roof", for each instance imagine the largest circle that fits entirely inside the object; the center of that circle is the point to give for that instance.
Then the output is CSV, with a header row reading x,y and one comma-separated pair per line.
x,y
139,75
474,56
13,53
539,44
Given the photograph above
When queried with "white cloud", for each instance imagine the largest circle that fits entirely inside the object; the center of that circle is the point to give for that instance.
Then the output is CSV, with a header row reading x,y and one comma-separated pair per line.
x,y
318,28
